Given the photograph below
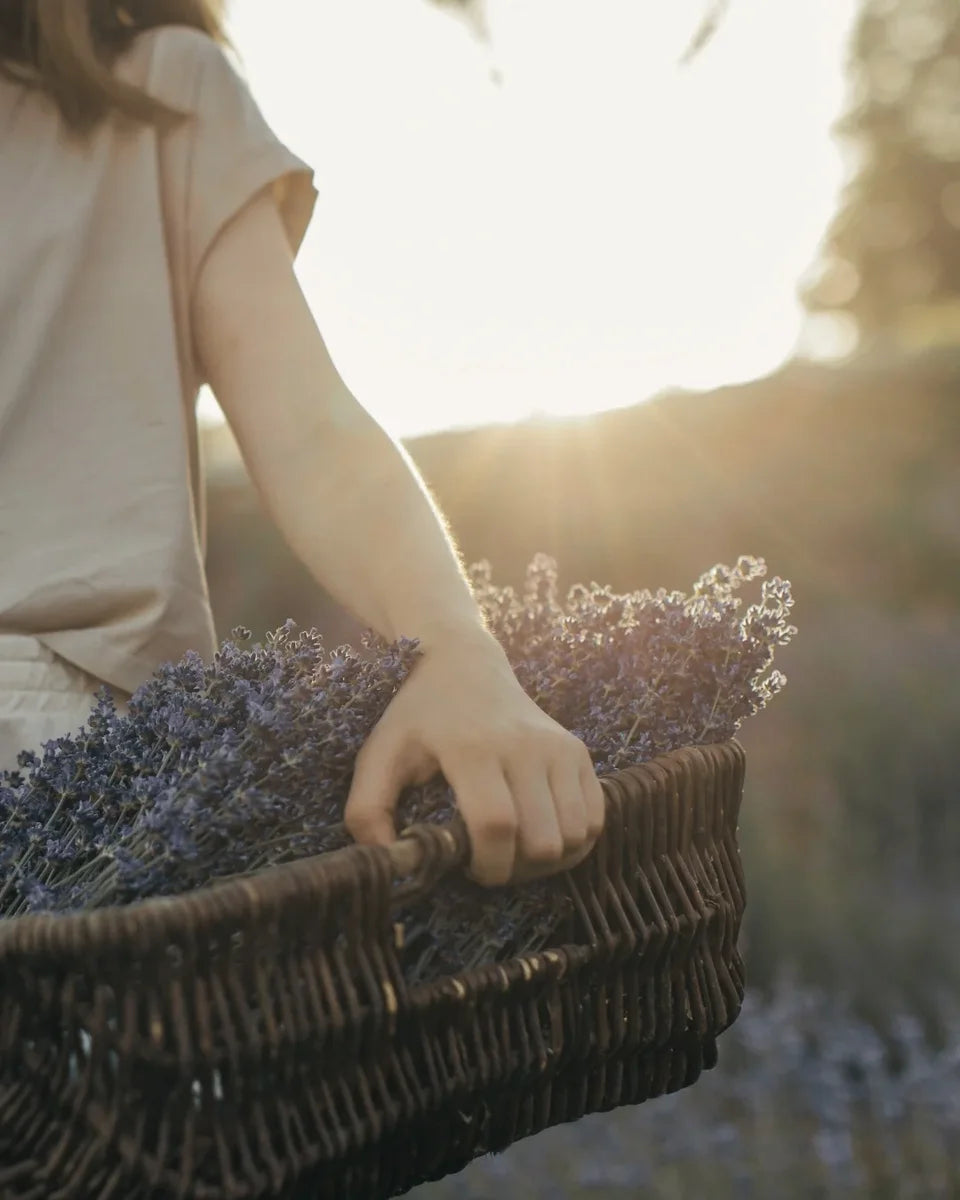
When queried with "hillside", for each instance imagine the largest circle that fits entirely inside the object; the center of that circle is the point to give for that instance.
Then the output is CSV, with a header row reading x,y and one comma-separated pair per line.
x,y
847,482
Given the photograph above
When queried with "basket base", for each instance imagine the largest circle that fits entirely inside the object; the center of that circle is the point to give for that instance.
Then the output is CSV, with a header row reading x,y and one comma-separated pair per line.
x,y
451,1139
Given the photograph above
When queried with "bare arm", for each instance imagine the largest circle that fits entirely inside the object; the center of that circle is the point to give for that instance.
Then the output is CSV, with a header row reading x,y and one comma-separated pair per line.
x,y
346,496
353,509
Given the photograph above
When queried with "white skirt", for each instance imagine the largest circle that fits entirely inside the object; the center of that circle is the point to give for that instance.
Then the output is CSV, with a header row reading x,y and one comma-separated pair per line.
x,y
42,696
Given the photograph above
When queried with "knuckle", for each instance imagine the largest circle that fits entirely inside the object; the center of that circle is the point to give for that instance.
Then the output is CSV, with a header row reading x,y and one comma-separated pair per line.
x,y
569,756
596,820
359,831
544,850
582,757
517,745
468,752
551,731
594,828
596,798
536,734
498,826
575,833
489,874
357,821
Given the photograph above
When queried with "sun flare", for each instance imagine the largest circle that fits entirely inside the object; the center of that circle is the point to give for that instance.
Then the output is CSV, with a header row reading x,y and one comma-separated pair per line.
x,y
596,226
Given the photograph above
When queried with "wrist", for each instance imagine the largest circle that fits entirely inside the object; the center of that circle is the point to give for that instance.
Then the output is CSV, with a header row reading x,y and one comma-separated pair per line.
x,y
458,636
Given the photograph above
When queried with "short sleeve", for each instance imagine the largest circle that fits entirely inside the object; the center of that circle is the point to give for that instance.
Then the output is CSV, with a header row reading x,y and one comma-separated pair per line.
x,y
232,155
213,163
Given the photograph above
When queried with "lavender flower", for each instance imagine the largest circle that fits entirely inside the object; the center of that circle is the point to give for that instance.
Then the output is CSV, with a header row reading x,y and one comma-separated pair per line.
x,y
244,763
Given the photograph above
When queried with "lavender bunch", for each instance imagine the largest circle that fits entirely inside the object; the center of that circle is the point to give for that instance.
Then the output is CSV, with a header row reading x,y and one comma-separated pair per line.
x,y
217,770
639,674
633,676
224,769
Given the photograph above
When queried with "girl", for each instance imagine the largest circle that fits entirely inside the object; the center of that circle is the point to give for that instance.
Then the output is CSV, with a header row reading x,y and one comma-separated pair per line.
x,y
149,220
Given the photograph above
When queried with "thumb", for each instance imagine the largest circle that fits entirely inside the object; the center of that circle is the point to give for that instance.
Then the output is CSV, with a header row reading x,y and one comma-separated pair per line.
x,y
377,782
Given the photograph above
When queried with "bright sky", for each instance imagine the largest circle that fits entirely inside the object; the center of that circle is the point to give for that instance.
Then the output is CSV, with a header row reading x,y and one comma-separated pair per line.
x,y
601,225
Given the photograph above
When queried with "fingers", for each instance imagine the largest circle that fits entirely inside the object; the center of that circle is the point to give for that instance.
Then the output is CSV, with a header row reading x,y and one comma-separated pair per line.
x,y
530,817
594,799
547,810
526,872
570,803
584,801
528,814
487,806
577,799
378,778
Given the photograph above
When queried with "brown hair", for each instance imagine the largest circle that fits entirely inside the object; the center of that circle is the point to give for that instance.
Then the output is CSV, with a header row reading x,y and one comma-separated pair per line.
x,y
68,48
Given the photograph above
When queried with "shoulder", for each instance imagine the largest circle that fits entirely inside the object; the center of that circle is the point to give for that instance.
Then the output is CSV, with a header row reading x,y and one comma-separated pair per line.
x,y
170,60
181,44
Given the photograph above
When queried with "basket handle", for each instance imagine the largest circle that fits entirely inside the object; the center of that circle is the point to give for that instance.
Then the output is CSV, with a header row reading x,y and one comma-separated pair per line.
x,y
426,852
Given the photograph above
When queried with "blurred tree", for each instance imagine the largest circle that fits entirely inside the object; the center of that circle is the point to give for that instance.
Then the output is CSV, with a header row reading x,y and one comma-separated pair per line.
x,y
891,259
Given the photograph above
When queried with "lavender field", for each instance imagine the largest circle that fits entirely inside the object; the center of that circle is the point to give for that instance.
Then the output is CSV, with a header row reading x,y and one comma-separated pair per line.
x,y
841,1077
808,1102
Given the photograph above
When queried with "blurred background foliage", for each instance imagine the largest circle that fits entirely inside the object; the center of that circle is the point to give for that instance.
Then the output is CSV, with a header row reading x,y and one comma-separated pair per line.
x,y
846,478
891,262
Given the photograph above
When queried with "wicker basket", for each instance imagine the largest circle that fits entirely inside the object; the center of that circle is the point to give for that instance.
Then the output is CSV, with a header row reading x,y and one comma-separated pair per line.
x,y
257,1039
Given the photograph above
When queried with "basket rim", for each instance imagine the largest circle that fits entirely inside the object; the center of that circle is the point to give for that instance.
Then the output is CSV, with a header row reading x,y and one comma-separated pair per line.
x,y
150,920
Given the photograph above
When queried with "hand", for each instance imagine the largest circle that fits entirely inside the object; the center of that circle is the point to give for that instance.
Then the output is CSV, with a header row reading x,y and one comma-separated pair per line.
x,y
525,786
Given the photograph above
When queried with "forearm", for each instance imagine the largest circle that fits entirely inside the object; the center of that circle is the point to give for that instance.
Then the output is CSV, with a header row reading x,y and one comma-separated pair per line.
x,y
355,511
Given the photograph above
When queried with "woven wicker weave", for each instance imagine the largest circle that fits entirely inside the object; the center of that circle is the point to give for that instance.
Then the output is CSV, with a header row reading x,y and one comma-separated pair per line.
x,y
257,1038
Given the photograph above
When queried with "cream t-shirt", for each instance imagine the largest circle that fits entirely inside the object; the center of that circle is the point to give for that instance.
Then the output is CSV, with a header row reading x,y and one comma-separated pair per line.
x,y
102,514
